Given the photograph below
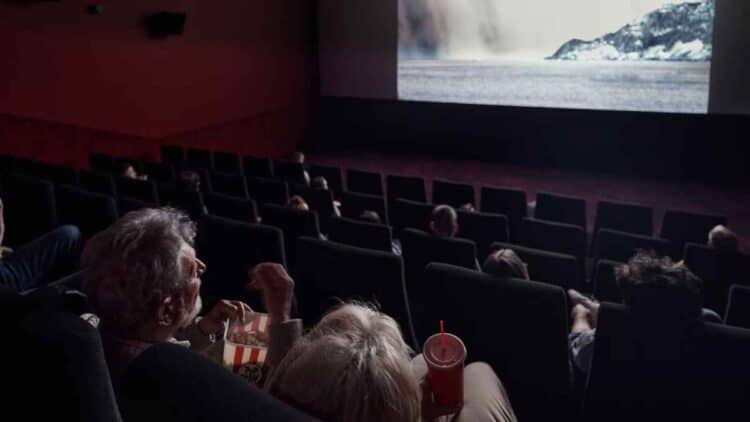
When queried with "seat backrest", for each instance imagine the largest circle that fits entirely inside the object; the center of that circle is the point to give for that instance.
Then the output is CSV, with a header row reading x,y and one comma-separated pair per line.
x,y
629,218
691,372
406,187
193,203
718,271
245,210
320,201
97,183
353,204
483,229
30,209
547,267
328,272
229,184
360,233
59,175
554,237
257,167
410,214
172,154
452,193
561,209
293,224
160,172
57,371
738,308
170,383
102,163
198,158
620,246
290,172
332,175
142,190
364,182
681,227
90,212
531,358
227,162
268,191
605,283
508,202
230,250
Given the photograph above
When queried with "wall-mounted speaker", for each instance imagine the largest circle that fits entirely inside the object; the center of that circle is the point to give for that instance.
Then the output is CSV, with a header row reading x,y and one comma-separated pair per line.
x,y
163,24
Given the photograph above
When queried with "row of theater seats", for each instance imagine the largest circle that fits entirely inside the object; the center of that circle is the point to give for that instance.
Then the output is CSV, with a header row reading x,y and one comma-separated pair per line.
x,y
556,251
519,327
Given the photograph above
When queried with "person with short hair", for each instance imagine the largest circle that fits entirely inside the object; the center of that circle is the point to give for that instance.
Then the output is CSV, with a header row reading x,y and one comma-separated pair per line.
x,y
444,221
143,279
355,366
370,216
507,264
297,203
319,182
189,181
127,170
41,261
644,268
723,240
297,157
468,207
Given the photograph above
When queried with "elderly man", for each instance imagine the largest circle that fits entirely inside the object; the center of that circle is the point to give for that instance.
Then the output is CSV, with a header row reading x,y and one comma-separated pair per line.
x,y
723,240
142,278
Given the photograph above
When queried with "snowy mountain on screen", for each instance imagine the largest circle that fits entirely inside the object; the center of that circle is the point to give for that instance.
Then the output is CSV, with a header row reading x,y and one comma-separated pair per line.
x,y
675,32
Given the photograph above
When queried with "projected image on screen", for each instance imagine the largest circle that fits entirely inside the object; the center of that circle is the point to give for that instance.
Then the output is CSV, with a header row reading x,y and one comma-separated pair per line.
x,y
641,55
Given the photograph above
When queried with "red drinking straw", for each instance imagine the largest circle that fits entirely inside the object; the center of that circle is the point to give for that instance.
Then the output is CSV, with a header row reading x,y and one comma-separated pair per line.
x,y
442,336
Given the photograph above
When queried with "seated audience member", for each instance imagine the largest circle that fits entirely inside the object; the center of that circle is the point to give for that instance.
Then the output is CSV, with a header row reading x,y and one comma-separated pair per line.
x,y
444,221
189,181
41,261
468,208
723,240
642,269
142,278
127,170
505,263
299,157
354,365
320,182
296,202
370,217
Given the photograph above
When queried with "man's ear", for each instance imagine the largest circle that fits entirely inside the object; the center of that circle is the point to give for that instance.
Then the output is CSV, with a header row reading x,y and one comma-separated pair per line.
x,y
167,312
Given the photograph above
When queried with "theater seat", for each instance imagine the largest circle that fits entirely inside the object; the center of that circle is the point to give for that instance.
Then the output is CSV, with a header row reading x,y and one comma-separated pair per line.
x,y
547,267
229,184
327,273
227,163
738,309
718,271
257,167
647,369
169,383
97,183
320,201
102,163
620,246
555,237
290,172
268,191
160,172
561,209
361,234
90,212
628,218
410,214
142,190
353,204
364,182
239,209
30,209
293,224
508,202
406,187
605,284
172,154
452,193
518,327
230,249
198,158
483,229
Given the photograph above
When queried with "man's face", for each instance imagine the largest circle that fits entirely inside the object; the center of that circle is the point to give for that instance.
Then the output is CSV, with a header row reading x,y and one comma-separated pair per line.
x,y
194,269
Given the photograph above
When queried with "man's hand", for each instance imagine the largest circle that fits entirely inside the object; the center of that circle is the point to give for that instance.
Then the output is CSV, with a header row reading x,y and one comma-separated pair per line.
x,y
222,313
277,289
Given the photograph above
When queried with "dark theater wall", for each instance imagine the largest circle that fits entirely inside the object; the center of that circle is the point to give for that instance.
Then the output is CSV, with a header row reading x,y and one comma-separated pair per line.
x,y
240,78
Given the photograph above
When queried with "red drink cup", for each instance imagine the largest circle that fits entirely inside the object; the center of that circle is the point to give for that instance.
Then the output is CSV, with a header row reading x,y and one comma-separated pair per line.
x,y
445,369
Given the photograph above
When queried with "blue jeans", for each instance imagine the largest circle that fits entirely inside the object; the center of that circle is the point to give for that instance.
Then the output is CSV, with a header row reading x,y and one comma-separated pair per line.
x,y
43,260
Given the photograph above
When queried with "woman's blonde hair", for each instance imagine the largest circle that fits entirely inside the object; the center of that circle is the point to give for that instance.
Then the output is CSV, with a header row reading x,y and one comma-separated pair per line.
x,y
353,366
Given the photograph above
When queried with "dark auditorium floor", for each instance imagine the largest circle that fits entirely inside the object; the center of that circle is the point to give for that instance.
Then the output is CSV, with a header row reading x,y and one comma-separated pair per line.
x,y
732,202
